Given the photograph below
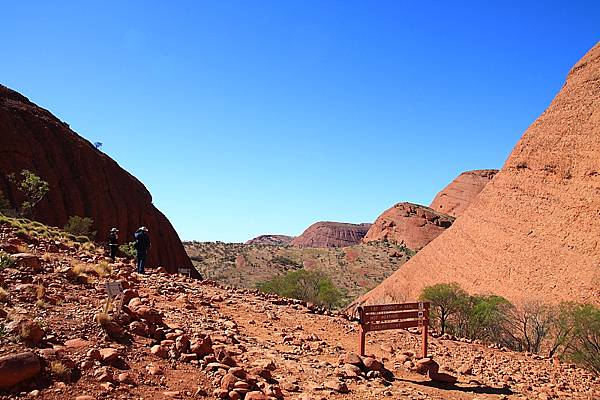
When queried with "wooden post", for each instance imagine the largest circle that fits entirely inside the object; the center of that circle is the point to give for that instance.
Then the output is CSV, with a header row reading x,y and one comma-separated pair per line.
x,y
361,331
361,346
425,332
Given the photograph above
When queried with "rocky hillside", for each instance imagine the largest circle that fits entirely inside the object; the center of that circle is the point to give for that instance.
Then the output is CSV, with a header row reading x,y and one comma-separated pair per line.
x,y
331,234
408,224
532,233
178,338
273,240
83,181
462,191
355,269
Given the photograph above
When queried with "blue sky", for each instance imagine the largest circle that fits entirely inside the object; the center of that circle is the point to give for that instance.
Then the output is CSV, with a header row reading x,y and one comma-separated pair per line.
x,y
252,117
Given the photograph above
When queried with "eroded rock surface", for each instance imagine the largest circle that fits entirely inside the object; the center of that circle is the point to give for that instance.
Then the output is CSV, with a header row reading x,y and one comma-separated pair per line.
x,y
532,233
331,234
409,224
462,191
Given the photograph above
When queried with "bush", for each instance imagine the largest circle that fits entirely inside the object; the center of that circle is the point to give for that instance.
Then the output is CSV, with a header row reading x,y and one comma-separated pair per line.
x,y
577,335
527,326
128,249
80,226
447,299
305,285
33,189
6,261
286,262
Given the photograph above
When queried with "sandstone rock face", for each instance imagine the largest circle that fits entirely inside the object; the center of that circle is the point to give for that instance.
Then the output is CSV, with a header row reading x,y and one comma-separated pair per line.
x,y
331,234
409,224
271,240
532,233
461,192
83,181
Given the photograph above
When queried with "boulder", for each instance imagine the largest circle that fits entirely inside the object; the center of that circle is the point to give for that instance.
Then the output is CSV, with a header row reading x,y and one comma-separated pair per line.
x,y
16,368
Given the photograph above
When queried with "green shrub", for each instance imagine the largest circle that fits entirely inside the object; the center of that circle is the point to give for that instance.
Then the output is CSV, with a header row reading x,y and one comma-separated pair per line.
x,y
128,249
576,335
33,189
286,262
447,299
305,285
80,226
6,261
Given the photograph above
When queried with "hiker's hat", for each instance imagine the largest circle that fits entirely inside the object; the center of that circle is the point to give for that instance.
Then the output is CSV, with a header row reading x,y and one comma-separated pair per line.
x,y
114,230
143,228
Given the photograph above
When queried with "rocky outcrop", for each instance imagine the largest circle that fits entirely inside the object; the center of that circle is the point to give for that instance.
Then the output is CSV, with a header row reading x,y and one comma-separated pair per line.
x,y
331,234
461,192
16,368
532,233
271,240
409,224
83,181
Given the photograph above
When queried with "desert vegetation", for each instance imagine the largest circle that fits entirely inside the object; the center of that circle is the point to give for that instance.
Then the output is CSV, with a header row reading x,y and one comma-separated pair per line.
x,y
354,269
569,331
32,188
310,286
80,226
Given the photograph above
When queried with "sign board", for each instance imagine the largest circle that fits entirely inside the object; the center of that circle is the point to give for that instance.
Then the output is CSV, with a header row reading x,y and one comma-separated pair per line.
x,y
114,289
185,271
393,316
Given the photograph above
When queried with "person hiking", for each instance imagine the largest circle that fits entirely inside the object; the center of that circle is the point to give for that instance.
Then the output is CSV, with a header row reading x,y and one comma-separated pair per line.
x,y
142,244
113,243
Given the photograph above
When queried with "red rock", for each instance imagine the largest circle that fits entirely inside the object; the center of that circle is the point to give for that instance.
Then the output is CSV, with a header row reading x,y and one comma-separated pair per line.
x,y
532,232
256,395
159,351
139,328
331,234
372,364
337,386
409,224
109,354
27,262
201,346
77,343
83,181
271,240
228,381
15,368
462,191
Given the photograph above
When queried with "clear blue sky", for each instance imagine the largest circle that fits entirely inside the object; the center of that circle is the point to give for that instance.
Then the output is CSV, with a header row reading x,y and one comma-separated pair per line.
x,y
253,117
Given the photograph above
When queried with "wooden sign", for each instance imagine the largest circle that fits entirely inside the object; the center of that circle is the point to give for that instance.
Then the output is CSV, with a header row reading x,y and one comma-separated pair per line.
x,y
185,271
394,316
114,289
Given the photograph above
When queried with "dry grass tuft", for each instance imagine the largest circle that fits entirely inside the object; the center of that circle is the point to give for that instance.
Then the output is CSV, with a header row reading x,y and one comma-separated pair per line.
x,y
60,371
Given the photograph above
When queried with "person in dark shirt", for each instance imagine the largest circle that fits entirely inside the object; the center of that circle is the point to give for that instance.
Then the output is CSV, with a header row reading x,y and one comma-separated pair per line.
x,y
142,244
113,243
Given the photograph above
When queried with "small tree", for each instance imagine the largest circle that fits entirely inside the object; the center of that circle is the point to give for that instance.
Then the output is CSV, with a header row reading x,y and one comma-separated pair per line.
x,y
576,335
33,188
527,326
79,226
447,299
